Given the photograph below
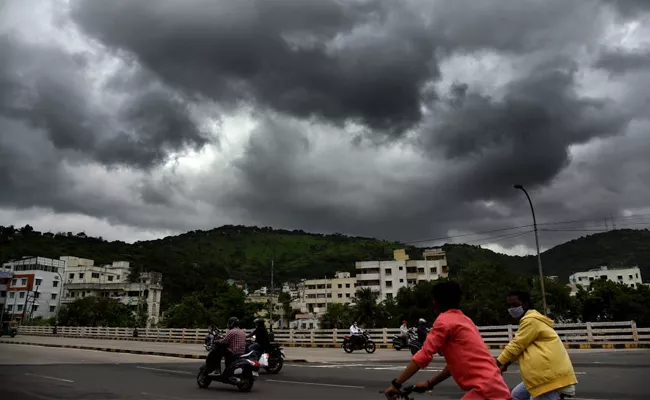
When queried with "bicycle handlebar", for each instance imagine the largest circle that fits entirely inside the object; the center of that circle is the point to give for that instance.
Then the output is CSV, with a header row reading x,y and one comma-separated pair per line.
x,y
406,391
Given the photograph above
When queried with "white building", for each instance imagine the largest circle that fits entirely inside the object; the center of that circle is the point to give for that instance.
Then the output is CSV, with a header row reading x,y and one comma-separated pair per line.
x,y
629,276
34,289
83,278
388,277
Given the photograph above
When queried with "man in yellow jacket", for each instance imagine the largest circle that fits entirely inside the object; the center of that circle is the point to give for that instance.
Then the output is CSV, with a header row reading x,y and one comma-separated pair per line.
x,y
546,368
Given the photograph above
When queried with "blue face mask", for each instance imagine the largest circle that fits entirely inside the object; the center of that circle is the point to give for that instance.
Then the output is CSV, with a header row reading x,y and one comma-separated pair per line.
x,y
516,312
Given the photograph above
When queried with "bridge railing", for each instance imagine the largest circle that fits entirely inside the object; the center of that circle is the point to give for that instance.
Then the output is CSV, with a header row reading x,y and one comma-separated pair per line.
x,y
591,332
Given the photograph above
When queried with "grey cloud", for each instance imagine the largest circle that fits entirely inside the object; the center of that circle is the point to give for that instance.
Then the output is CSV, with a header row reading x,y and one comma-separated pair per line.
x,y
310,59
48,88
620,61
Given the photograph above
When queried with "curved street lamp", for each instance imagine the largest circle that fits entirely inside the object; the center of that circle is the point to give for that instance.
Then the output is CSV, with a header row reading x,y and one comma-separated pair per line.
x,y
539,256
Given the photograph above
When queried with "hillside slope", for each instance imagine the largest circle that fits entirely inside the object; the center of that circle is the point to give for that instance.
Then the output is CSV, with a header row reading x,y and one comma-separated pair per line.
x,y
238,252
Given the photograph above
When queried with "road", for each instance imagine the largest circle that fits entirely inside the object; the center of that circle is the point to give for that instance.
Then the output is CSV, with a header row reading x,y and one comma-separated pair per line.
x,y
41,373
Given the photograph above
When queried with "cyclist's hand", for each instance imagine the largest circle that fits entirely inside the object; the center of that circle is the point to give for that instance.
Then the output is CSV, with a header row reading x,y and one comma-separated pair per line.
x,y
392,392
421,387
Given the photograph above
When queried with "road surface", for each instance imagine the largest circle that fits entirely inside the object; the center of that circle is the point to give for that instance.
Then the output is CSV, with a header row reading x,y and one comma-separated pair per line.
x,y
41,373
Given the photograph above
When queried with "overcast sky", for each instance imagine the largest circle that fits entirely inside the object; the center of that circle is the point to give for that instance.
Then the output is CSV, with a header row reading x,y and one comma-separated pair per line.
x,y
398,119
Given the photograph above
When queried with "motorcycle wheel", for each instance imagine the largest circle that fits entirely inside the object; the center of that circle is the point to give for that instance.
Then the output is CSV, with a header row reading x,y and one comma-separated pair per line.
x,y
347,347
275,367
245,385
370,347
397,347
202,379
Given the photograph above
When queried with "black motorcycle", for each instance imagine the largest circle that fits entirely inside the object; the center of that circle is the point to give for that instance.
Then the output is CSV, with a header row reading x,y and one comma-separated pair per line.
x,y
400,342
208,343
360,342
241,373
276,357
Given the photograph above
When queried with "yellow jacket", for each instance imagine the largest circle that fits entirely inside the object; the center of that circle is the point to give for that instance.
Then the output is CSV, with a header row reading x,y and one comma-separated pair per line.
x,y
544,362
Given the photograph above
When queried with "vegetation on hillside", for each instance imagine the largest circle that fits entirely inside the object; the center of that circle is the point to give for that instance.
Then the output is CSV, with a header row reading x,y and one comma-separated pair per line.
x,y
190,260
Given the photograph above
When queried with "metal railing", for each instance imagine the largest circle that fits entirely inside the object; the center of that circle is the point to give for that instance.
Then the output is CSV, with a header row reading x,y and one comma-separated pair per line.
x,y
591,332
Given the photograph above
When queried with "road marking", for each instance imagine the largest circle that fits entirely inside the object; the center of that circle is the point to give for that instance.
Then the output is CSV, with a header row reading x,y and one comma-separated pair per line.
x,y
173,371
50,377
315,384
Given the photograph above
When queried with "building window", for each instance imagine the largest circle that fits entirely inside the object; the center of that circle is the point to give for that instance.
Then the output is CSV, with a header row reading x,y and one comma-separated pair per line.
x,y
630,277
347,295
340,295
23,282
13,282
388,272
632,285
81,276
37,295
35,307
401,268
19,308
55,283
21,295
637,276
420,270
38,282
434,270
110,279
10,307
71,276
620,277
3,294
401,281
347,285
12,295
52,308
53,296
591,278
389,295
389,283
95,275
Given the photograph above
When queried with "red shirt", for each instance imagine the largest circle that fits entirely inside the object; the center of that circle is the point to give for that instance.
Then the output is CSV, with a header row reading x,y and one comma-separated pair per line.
x,y
469,361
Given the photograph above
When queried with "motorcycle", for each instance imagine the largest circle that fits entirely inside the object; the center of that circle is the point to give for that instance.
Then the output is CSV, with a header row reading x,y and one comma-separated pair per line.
x,y
367,344
273,361
400,342
241,373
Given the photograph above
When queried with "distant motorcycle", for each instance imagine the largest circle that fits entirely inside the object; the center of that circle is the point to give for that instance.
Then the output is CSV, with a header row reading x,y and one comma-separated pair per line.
x,y
350,345
401,342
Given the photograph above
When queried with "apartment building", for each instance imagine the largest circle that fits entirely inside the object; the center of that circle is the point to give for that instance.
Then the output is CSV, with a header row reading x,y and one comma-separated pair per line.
x,y
31,287
388,277
317,294
83,278
629,276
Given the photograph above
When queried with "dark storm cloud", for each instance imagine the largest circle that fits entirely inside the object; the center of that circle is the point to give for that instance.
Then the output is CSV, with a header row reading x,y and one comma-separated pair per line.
x,y
329,59
49,89
629,8
619,61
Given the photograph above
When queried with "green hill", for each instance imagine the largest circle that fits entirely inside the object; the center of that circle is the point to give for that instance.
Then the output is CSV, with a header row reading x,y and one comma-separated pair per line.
x,y
238,252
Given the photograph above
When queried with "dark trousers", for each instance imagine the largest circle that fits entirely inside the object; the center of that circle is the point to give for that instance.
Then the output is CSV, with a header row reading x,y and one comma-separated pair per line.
x,y
219,351
358,340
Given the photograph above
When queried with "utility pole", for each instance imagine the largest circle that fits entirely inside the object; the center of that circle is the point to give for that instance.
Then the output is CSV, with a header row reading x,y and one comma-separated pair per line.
x,y
268,243
539,256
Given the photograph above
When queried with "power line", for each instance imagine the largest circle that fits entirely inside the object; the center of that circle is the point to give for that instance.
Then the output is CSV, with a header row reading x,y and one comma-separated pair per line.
x,y
504,237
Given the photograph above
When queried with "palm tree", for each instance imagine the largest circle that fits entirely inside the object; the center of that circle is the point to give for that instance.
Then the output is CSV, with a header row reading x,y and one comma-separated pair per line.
x,y
366,306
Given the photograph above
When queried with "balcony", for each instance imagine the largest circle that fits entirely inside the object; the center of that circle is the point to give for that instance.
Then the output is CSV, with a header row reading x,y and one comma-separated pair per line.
x,y
368,277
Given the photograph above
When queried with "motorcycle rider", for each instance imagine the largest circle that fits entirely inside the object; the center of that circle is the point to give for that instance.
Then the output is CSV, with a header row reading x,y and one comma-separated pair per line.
x,y
355,335
422,330
212,333
262,341
404,330
545,366
468,359
232,345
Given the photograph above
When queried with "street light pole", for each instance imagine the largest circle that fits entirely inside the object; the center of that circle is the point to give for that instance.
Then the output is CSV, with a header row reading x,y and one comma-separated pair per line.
x,y
539,256
268,243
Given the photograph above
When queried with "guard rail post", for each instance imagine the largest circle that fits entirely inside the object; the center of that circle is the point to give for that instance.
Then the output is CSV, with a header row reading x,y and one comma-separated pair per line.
x,y
510,332
635,332
385,335
335,335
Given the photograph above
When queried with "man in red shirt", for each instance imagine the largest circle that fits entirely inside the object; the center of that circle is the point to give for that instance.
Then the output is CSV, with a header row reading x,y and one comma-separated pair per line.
x,y
468,360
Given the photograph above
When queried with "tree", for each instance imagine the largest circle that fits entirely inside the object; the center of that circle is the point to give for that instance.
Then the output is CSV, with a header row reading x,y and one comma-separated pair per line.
x,y
189,313
337,316
96,311
366,307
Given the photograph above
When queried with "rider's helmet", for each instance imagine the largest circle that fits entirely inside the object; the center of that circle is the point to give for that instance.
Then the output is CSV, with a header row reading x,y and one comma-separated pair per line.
x,y
422,321
259,322
404,322
233,322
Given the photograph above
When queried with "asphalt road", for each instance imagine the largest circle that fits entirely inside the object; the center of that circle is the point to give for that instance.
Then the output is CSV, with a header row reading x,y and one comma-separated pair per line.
x,y
39,373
